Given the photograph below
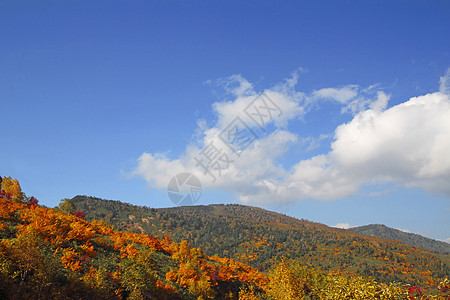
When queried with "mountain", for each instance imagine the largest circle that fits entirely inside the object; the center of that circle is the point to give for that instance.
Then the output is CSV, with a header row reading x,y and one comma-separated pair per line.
x,y
46,253
384,232
261,239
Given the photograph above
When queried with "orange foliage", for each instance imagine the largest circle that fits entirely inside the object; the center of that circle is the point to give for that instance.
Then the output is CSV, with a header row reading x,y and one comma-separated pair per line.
x,y
70,259
12,189
77,241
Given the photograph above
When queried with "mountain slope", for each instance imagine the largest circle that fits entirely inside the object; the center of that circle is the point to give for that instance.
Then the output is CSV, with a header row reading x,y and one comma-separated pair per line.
x,y
384,232
48,254
262,238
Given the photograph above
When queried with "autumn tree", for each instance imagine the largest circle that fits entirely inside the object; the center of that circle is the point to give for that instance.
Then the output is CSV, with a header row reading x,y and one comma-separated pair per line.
x,y
80,214
284,284
139,275
249,293
32,202
29,268
13,189
66,206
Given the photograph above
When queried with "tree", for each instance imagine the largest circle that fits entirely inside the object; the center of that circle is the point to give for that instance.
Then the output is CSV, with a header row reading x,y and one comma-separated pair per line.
x,y
12,188
33,202
80,214
29,267
284,284
66,206
139,274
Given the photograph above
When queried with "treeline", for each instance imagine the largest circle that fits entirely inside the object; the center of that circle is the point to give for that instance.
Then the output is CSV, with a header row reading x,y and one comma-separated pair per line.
x,y
261,238
54,253
416,240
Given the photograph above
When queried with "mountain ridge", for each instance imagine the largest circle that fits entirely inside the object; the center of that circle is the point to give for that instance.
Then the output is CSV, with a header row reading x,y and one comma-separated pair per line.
x,y
262,238
413,239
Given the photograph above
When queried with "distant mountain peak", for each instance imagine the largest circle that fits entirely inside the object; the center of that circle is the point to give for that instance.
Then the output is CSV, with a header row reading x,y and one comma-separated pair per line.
x,y
413,239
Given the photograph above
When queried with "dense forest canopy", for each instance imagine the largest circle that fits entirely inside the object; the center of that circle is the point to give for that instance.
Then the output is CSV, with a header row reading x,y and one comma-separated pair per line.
x,y
63,253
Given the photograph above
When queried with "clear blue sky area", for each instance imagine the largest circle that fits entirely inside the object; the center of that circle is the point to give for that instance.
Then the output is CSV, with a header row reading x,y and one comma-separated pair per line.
x,y
88,87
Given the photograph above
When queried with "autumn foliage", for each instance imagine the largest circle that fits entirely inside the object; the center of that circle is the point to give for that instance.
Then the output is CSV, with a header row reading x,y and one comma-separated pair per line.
x,y
51,254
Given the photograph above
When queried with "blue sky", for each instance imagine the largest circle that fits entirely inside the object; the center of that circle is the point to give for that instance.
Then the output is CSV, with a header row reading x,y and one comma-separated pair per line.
x,y
112,99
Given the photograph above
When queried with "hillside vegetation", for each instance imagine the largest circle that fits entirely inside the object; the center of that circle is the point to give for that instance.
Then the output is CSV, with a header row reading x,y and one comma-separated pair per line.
x,y
384,232
262,238
55,254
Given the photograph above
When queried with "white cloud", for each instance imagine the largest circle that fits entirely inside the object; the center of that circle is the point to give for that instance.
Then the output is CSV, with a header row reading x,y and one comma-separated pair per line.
x,y
380,102
445,83
343,226
406,144
283,95
236,85
312,142
245,174
154,169
342,95
353,98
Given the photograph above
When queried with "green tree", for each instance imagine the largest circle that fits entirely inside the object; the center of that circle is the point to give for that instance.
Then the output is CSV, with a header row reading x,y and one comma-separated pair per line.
x,y
66,206
139,275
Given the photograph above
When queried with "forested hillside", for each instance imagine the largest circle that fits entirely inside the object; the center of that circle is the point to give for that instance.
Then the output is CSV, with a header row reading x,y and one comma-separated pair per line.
x,y
384,232
48,254
261,238
55,253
